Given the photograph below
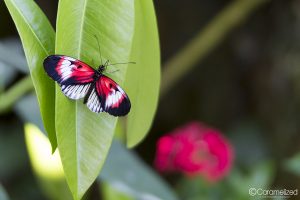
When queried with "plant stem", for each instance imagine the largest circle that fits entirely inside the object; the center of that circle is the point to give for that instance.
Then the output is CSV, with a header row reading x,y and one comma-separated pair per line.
x,y
206,40
8,98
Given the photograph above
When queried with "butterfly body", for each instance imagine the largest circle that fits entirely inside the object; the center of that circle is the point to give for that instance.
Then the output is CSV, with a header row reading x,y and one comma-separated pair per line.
x,y
78,80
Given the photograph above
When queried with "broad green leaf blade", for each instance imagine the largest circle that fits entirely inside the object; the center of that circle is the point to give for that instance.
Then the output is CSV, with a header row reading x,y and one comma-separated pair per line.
x,y
46,166
44,163
37,37
84,137
125,172
142,79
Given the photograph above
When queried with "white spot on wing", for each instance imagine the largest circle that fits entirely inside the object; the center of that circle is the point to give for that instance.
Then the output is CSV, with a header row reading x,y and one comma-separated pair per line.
x,y
66,72
75,91
69,58
114,97
66,68
93,102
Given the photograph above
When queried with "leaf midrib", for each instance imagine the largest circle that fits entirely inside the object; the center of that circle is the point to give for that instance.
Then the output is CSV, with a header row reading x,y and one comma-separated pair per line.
x,y
76,104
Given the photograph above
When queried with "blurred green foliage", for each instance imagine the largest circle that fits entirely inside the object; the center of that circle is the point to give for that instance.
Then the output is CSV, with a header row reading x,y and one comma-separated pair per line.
x,y
3,194
248,87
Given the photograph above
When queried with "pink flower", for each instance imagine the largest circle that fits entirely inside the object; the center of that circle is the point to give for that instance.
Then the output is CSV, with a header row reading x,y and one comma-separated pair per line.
x,y
194,149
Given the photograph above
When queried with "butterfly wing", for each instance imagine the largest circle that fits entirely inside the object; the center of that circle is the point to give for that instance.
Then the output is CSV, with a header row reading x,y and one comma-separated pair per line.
x,y
75,77
93,101
111,98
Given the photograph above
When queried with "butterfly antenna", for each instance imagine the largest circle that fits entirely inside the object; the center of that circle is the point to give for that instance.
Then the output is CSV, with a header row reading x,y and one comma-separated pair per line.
x,y
122,63
99,48
114,71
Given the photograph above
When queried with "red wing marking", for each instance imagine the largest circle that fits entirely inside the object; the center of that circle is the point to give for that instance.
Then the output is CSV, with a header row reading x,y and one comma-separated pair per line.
x,y
112,97
68,71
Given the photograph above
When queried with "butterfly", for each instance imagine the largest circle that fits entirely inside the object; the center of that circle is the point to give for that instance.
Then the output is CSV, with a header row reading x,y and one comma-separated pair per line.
x,y
78,80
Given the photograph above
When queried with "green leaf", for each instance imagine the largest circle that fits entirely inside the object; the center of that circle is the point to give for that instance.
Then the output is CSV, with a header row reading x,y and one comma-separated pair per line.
x,y
46,166
84,137
7,75
260,175
195,188
293,164
125,172
37,37
44,163
143,78
3,194
11,48
110,193
28,110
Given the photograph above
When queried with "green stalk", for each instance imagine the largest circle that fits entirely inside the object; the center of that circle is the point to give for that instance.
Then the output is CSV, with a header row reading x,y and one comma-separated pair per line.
x,y
8,98
206,40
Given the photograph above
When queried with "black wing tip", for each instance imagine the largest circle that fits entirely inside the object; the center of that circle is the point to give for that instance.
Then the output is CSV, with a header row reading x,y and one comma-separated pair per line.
x,y
122,110
50,64
52,58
